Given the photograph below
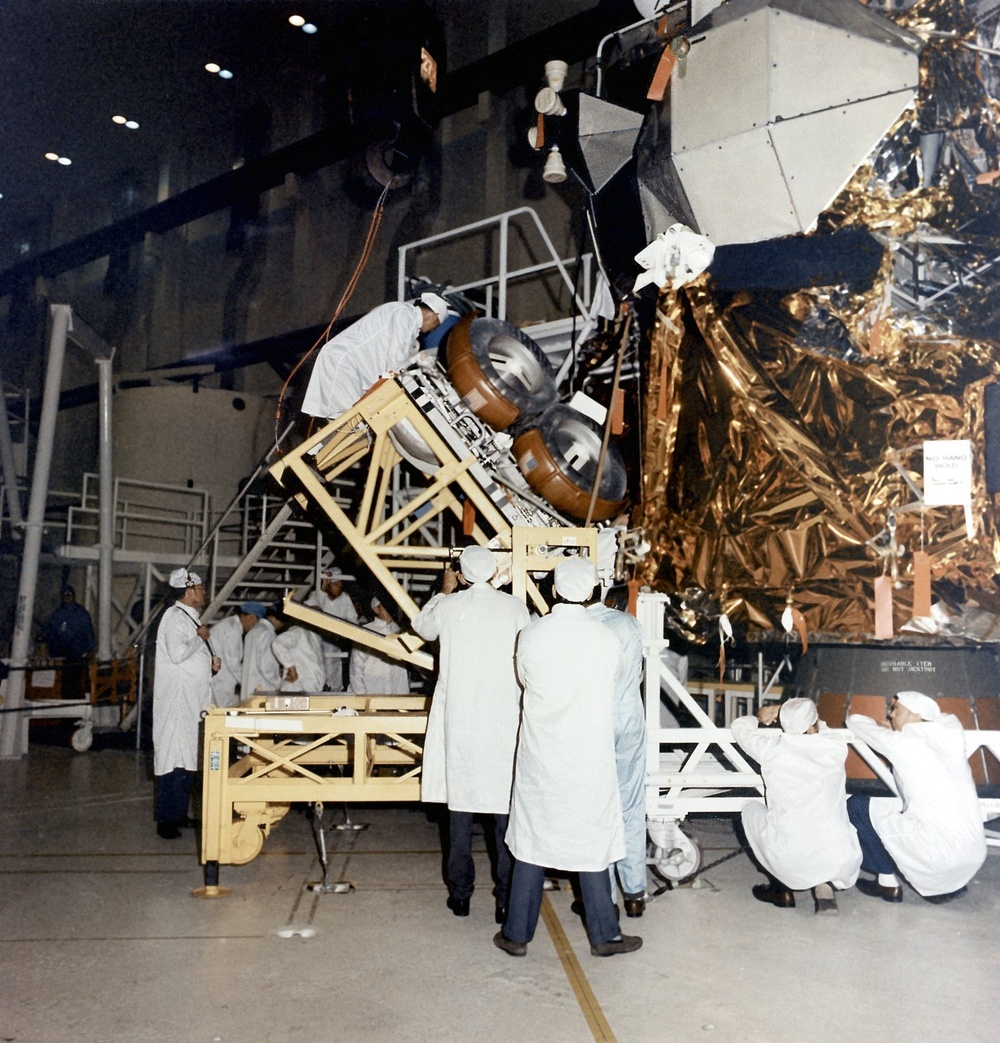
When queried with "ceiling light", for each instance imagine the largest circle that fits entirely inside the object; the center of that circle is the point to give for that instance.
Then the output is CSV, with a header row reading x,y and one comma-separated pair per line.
x,y
225,74
118,119
296,20
52,155
212,67
132,125
63,161
309,28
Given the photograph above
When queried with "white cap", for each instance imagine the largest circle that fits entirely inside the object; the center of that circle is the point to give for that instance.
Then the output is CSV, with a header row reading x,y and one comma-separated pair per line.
x,y
919,703
181,578
375,603
575,578
797,716
477,564
334,572
437,304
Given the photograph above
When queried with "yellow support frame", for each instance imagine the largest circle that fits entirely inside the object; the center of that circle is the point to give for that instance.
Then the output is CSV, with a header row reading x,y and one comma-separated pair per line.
x,y
258,760
377,536
254,767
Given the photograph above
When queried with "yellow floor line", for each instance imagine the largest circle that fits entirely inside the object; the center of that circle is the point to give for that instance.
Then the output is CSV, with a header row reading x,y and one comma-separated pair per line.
x,y
574,972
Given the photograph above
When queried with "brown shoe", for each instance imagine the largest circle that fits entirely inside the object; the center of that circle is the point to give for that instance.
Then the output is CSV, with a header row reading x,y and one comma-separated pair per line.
x,y
501,941
779,896
627,943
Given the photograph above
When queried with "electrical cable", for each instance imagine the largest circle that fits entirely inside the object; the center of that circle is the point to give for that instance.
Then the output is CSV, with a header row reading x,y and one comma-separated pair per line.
x,y
352,284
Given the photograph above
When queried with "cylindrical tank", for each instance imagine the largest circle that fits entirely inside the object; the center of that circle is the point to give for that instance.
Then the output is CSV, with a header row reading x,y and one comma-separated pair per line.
x,y
499,371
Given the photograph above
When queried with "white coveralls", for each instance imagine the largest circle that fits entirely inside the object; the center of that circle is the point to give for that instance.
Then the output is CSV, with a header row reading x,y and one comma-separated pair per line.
x,y
226,639
472,725
260,668
803,836
375,674
934,829
382,341
566,809
181,690
342,607
302,648
629,718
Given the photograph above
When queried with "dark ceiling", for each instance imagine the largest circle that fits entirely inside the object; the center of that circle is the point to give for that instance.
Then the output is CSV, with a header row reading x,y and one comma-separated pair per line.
x,y
68,66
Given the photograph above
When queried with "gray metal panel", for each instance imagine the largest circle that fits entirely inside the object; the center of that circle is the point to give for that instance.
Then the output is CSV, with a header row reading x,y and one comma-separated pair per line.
x,y
607,137
860,20
812,66
819,153
737,190
721,87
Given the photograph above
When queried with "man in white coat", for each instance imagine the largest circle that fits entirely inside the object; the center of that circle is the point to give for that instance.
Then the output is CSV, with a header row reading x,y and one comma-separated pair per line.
x,y
932,833
629,716
371,672
182,688
331,598
383,341
299,651
226,641
472,725
261,670
566,810
803,837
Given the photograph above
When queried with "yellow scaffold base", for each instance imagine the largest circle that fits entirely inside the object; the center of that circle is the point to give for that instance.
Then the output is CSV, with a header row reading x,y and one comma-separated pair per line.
x,y
276,750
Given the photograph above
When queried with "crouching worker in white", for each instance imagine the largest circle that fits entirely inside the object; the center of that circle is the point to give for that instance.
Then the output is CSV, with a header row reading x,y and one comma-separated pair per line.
x,y
932,833
802,838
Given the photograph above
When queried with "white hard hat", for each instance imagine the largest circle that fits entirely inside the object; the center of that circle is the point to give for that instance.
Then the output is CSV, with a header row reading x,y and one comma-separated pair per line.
x,y
181,578
477,564
797,716
575,579
919,703
436,303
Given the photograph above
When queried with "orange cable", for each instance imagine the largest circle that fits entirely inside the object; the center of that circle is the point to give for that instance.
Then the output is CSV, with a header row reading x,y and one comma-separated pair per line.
x,y
352,284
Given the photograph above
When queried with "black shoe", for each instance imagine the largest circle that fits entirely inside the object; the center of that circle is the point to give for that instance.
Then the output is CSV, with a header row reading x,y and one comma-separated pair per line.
x,y
167,830
501,913
459,906
501,941
779,896
627,943
874,889
635,907
949,897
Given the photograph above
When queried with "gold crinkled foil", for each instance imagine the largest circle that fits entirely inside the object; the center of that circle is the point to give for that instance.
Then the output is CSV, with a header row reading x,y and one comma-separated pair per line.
x,y
772,458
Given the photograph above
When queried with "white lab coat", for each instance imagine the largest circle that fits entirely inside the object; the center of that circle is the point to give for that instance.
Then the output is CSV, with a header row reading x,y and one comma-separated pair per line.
x,y
343,608
226,639
472,725
803,836
629,716
375,674
380,342
182,683
934,829
302,648
566,810
260,668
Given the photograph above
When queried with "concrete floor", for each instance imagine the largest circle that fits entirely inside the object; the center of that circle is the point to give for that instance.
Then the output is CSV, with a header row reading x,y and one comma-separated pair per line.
x,y
101,941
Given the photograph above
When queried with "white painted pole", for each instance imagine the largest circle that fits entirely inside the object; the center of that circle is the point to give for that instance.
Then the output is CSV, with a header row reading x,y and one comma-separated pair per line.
x,y
9,467
106,535
13,723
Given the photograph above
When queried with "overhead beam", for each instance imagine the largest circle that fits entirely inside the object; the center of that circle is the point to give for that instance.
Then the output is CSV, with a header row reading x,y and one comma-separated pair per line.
x,y
571,40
